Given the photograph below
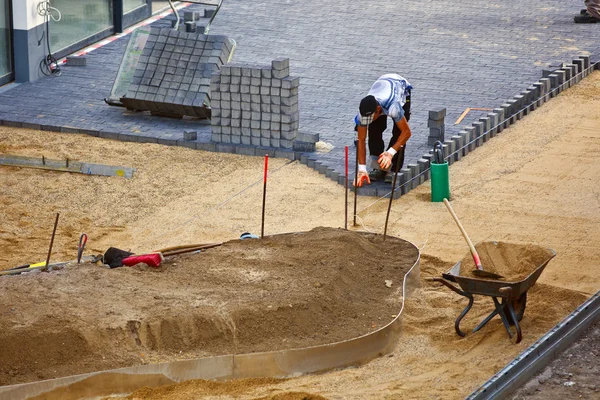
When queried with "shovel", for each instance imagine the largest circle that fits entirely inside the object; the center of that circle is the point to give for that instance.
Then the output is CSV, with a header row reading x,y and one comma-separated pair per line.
x,y
479,268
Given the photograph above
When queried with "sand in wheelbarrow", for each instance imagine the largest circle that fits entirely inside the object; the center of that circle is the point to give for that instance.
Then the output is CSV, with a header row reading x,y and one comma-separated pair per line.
x,y
280,292
513,261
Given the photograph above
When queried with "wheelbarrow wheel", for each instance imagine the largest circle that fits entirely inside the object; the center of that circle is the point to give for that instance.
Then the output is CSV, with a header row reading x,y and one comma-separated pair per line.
x,y
518,307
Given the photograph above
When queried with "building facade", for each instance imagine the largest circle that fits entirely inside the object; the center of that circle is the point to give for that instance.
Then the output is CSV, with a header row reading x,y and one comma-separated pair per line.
x,y
30,30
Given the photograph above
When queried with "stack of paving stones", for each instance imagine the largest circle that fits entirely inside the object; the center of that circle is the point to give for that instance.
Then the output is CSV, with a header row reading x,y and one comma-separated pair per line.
x,y
258,106
470,137
436,126
191,19
172,76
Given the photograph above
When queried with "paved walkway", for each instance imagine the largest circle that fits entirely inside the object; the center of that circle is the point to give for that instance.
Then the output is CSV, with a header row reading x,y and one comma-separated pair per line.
x,y
457,54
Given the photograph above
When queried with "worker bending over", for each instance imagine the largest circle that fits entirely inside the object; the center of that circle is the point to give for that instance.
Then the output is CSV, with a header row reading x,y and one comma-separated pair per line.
x,y
389,96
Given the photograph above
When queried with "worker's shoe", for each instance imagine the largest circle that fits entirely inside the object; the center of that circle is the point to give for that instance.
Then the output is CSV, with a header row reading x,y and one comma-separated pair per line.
x,y
389,178
377,175
585,19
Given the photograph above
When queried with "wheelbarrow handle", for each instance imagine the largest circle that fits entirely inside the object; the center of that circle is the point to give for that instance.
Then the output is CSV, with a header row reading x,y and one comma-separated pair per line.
x,y
448,284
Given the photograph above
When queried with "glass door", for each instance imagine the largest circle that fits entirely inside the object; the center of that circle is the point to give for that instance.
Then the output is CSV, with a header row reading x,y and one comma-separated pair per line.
x,y
6,64
81,22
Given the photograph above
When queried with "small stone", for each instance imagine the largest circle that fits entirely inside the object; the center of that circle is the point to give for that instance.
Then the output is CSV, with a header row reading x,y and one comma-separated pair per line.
x,y
569,384
317,284
388,283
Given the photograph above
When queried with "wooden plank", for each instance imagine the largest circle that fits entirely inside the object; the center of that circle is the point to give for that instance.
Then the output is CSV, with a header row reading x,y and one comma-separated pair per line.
x,y
66,166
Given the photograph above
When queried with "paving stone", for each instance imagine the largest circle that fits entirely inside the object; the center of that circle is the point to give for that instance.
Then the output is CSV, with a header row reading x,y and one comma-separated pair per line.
x,y
437,113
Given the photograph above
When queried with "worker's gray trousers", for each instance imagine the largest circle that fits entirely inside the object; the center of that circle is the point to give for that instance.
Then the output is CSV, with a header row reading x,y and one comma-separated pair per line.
x,y
593,7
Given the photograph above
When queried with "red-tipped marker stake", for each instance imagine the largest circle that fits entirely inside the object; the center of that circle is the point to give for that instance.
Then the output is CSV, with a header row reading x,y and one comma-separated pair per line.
x,y
346,203
262,228
355,180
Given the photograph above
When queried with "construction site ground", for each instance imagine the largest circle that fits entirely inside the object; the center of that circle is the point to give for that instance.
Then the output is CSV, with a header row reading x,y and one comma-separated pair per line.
x,y
534,183
573,374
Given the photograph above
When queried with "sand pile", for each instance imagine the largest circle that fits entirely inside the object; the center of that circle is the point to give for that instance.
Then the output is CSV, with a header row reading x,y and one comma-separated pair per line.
x,y
280,292
198,388
513,261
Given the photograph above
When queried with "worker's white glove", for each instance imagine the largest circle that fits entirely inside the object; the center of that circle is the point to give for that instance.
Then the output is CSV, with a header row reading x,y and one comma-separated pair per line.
x,y
361,177
385,160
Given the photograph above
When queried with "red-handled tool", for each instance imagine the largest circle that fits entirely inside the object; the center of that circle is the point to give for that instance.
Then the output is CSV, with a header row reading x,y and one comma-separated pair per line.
x,y
479,268
152,259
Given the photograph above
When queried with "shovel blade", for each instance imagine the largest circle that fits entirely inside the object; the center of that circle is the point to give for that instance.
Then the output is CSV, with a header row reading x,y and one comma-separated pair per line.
x,y
486,274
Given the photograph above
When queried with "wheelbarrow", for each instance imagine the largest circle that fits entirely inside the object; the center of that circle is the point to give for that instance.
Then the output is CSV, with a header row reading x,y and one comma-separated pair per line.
x,y
509,297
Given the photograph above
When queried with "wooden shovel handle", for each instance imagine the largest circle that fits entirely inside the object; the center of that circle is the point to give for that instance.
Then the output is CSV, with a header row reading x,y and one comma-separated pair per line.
x,y
464,233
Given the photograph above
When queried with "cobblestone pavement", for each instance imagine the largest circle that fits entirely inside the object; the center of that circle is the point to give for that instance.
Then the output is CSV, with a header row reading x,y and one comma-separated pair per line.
x,y
456,54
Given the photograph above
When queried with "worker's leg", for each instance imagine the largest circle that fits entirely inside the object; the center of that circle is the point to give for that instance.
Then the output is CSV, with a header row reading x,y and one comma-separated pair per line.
x,y
376,129
591,14
376,146
399,156
406,106
593,7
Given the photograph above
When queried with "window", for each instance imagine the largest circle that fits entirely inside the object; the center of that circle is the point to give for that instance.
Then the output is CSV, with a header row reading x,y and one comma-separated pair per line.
x,y
5,46
79,20
129,5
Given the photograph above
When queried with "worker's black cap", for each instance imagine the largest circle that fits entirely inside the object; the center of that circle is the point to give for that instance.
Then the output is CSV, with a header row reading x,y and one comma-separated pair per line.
x,y
368,105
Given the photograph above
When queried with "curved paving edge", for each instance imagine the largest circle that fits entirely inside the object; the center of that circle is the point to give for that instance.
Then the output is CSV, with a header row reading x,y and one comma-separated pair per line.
x,y
552,83
284,363
539,354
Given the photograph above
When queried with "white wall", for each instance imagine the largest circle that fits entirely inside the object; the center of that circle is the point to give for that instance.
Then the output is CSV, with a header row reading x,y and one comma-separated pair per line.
x,y
25,15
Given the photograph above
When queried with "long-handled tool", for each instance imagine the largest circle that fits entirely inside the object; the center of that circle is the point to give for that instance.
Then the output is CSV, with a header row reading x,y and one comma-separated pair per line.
x,y
479,268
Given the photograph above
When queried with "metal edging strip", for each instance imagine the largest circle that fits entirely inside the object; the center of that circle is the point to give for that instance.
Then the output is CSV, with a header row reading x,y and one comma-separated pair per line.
x,y
539,354
282,363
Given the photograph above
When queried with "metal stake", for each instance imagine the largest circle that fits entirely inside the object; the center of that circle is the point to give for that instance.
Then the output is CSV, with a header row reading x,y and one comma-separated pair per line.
x,y
346,202
387,217
51,243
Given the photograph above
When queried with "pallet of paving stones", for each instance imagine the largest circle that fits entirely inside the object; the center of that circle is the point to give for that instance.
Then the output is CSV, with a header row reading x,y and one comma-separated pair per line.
x,y
172,76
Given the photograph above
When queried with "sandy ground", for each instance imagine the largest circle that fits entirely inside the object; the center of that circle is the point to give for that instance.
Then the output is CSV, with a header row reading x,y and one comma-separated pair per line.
x,y
535,183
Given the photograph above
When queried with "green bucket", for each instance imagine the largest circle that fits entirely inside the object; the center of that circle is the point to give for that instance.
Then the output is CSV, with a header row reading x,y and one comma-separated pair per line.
x,y
440,182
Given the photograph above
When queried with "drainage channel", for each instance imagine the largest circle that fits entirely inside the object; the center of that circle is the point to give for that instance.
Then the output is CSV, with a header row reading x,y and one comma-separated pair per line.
x,y
541,353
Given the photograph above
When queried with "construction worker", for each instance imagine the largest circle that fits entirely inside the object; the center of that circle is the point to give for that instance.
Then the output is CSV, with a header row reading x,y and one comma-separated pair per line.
x,y
589,15
389,96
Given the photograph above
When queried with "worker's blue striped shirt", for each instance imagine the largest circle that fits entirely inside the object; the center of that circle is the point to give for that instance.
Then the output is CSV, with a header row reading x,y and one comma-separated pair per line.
x,y
390,90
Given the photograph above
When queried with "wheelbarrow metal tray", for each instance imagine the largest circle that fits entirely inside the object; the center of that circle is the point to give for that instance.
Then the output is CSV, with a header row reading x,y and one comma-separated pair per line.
x,y
491,287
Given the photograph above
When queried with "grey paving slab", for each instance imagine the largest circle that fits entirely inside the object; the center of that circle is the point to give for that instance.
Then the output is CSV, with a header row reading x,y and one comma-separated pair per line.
x,y
455,54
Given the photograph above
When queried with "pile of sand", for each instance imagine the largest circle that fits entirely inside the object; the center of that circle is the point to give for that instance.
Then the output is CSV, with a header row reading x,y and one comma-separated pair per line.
x,y
513,261
280,292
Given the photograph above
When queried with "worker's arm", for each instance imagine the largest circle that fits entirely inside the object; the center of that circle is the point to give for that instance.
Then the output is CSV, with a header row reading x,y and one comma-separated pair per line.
x,y
385,159
362,146
405,134
361,151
